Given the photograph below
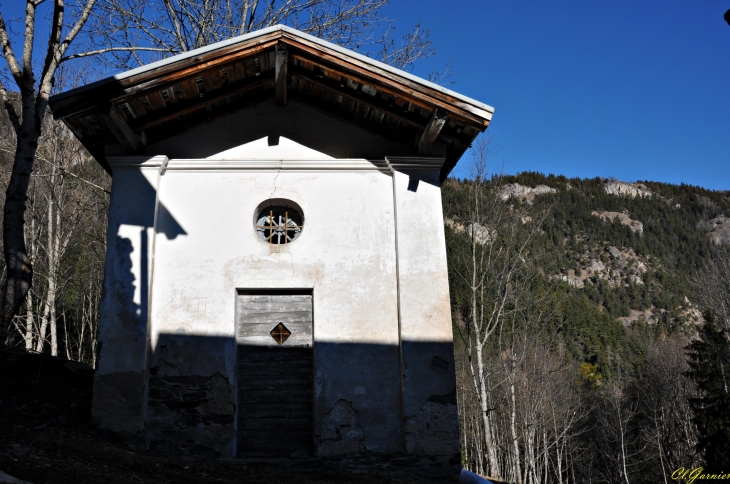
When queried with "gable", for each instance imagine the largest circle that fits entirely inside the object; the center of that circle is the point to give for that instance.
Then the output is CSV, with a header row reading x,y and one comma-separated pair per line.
x,y
133,111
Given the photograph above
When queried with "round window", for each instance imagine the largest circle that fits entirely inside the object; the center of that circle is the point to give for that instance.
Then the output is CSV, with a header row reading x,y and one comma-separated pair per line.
x,y
279,222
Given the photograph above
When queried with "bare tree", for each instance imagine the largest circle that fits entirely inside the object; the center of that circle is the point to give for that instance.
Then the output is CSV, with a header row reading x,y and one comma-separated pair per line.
x,y
133,32
59,150
669,434
27,125
712,284
491,259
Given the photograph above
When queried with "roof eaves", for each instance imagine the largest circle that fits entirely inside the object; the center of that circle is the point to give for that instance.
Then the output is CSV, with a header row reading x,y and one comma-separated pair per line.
x,y
252,35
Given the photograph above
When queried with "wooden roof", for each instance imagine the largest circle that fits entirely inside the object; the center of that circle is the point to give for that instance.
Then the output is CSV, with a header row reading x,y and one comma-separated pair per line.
x,y
146,105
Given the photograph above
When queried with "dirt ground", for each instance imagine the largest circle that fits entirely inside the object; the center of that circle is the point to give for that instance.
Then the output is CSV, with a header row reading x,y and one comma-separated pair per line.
x,y
46,437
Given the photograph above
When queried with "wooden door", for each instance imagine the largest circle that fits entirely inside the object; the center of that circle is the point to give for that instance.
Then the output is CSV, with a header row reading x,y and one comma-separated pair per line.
x,y
275,374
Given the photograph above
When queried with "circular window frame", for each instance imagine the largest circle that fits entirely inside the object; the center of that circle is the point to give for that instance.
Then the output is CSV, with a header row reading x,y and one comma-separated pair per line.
x,y
278,204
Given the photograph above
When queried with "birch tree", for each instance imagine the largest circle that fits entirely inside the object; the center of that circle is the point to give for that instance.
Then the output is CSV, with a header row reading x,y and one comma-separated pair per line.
x,y
490,259
35,83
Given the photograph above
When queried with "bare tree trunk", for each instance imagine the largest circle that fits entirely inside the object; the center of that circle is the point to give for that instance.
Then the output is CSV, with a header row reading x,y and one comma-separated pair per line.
x,y
53,235
29,322
19,266
484,403
622,434
29,319
546,460
65,332
512,421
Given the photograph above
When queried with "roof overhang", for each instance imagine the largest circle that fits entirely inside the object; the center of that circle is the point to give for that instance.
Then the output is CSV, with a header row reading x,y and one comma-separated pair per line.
x,y
130,111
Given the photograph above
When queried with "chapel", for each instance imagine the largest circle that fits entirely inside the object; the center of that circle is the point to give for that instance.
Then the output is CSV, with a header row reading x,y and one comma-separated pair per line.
x,y
276,280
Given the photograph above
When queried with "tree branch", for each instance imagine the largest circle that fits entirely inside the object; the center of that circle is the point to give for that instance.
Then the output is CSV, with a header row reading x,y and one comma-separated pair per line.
x,y
118,49
9,55
12,114
28,80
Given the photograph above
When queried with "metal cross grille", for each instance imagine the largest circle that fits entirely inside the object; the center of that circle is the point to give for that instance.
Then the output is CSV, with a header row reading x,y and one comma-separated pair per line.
x,y
280,333
279,225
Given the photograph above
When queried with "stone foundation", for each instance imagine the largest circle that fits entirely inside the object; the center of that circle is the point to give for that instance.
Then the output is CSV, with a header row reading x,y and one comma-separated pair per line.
x,y
188,414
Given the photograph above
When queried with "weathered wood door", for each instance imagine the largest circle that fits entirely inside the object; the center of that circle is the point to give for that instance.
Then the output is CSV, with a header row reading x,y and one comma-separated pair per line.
x,y
275,374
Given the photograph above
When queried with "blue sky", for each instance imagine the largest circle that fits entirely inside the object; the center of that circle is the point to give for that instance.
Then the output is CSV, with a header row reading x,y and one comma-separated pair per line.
x,y
636,90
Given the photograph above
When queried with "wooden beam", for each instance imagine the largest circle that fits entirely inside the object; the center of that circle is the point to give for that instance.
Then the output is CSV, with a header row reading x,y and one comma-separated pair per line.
x,y
374,102
189,106
175,127
160,78
282,60
429,135
122,132
352,118
383,80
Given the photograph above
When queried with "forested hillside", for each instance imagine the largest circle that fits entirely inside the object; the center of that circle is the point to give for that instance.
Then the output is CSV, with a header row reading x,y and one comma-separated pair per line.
x,y
574,304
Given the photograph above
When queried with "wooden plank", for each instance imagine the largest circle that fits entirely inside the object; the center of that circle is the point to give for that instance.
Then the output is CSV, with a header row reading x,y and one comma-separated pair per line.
x,y
276,378
292,305
264,397
284,384
281,380
189,89
259,377
276,392
275,297
264,443
277,423
275,367
272,435
295,340
281,62
247,319
432,131
253,353
122,132
194,104
250,67
239,68
264,62
273,410
278,358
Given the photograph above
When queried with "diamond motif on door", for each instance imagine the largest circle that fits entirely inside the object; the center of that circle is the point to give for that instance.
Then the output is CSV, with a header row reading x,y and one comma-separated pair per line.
x,y
280,333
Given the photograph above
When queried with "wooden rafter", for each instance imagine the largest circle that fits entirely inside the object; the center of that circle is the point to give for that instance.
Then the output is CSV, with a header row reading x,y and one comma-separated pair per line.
x,y
429,135
122,132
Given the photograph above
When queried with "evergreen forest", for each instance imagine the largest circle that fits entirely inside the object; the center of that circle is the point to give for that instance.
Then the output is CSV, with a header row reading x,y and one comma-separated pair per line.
x,y
591,326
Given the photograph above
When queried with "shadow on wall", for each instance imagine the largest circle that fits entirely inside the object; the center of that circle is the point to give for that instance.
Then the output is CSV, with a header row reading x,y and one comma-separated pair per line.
x,y
120,380
208,395
129,249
